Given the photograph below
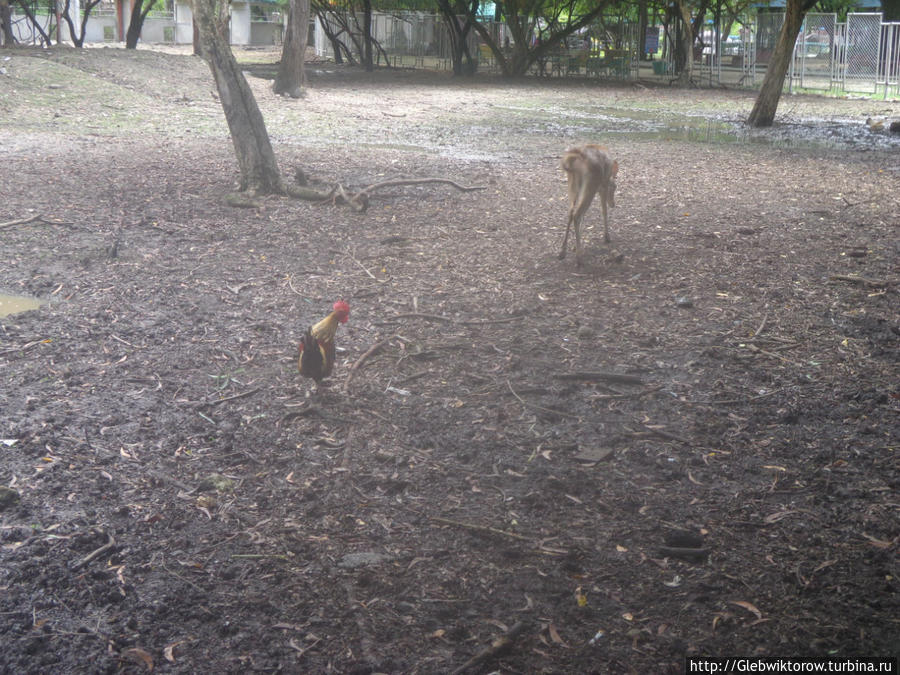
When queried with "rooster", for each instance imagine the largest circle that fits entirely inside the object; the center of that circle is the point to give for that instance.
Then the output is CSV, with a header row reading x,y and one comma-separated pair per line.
x,y
317,348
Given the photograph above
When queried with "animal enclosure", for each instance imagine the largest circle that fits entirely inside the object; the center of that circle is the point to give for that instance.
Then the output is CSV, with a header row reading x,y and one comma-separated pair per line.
x,y
687,447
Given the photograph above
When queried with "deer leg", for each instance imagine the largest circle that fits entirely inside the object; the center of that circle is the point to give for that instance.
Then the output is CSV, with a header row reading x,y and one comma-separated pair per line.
x,y
573,185
605,219
562,251
578,249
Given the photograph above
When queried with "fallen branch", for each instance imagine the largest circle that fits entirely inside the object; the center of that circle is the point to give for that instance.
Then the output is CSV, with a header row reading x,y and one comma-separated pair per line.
x,y
538,407
20,221
419,315
250,392
496,648
697,555
480,528
761,325
601,375
360,201
447,319
166,478
756,350
419,181
664,434
363,267
362,359
93,554
866,281
618,395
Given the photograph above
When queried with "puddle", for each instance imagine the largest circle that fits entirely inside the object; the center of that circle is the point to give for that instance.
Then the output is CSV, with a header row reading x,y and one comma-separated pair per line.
x,y
667,126
11,304
814,134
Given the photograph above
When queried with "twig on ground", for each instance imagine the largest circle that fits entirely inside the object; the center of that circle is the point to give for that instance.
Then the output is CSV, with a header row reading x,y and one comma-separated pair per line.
x,y
621,378
866,281
21,221
362,359
480,528
761,325
538,407
419,181
689,554
243,394
664,434
361,266
97,552
447,319
757,350
419,315
620,395
496,648
166,478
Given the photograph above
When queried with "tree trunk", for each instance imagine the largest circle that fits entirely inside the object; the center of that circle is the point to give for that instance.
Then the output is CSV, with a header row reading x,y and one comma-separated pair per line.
x,y
763,113
256,159
642,30
6,22
291,77
685,56
136,23
463,63
367,36
35,25
523,55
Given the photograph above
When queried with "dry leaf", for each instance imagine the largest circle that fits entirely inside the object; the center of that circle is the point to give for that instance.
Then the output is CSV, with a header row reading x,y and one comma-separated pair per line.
x,y
878,543
621,549
169,651
827,563
628,616
750,607
138,655
554,635
775,517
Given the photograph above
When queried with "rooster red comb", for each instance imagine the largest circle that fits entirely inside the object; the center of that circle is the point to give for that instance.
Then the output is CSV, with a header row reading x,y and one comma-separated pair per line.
x,y
343,310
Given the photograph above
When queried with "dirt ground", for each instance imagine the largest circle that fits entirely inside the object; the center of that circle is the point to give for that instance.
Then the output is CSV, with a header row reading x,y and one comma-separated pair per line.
x,y
687,447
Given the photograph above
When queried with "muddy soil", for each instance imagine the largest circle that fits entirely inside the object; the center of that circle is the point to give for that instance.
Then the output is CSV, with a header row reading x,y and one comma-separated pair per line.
x,y
686,447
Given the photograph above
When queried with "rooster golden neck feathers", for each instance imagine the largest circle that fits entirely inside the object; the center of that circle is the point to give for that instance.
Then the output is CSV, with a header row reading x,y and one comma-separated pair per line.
x,y
327,327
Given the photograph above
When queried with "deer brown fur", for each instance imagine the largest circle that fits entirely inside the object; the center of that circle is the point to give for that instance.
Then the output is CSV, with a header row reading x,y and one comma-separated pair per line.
x,y
590,170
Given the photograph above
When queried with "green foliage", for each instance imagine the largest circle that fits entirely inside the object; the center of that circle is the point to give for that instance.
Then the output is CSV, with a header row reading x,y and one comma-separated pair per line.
x,y
839,7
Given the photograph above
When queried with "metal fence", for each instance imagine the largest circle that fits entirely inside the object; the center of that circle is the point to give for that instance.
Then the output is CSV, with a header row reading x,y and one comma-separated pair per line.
x,y
861,55
814,65
406,39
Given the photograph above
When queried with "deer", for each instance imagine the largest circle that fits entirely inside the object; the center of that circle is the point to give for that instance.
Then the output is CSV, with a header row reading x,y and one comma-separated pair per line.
x,y
590,170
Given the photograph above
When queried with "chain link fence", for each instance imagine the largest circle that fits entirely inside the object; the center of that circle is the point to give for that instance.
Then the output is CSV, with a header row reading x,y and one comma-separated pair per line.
x,y
890,57
860,53
813,65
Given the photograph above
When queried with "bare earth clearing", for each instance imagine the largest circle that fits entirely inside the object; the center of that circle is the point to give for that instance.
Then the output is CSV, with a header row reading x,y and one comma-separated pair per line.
x,y
184,505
